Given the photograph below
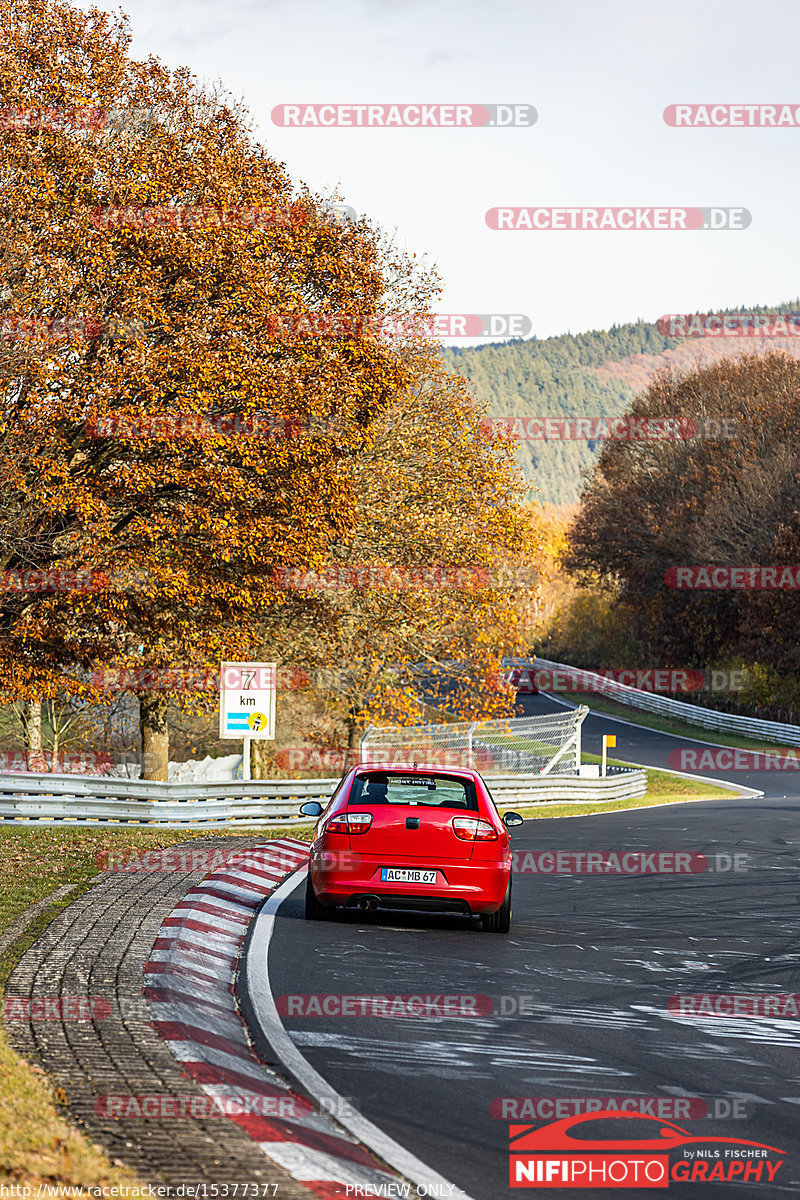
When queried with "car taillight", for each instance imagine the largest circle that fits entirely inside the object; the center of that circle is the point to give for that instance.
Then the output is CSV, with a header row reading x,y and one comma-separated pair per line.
x,y
470,829
359,822
349,823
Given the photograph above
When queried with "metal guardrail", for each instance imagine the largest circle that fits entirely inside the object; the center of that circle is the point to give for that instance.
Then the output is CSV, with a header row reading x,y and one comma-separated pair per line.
x,y
96,786
706,718
82,800
570,789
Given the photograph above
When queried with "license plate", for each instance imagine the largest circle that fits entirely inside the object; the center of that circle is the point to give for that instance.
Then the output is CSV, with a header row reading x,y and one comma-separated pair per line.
x,y
406,875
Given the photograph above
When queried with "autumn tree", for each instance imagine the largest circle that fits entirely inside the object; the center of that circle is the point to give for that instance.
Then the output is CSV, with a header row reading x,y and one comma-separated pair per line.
x,y
701,500
138,317
433,491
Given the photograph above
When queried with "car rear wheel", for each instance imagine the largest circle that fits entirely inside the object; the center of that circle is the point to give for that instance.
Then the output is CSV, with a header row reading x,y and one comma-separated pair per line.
x,y
500,921
314,910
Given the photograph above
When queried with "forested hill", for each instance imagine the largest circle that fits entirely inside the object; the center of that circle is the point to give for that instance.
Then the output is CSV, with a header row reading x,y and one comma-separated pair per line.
x,y
593,374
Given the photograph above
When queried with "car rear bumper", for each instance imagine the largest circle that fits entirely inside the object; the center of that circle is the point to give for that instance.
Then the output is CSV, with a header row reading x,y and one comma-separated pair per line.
x,y
460,887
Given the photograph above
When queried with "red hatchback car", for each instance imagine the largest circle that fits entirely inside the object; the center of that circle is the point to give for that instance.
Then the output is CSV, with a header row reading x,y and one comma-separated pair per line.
x,y
412,838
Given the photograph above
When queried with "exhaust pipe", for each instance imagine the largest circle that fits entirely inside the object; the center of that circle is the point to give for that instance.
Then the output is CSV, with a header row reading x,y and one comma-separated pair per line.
x,y
368,903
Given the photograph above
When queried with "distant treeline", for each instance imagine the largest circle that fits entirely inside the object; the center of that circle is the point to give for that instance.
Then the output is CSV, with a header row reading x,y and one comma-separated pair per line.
x,y
558,377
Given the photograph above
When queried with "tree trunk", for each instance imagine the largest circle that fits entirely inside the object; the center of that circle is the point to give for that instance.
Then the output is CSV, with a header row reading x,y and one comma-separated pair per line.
x,y
155,736
353,738
258,758
32,732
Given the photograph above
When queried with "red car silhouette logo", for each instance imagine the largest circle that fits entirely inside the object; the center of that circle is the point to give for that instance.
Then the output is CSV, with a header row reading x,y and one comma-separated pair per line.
x,y
557,1136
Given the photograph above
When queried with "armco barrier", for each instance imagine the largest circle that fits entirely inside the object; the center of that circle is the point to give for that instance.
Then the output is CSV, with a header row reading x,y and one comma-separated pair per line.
x,y
568,789
69,799
706,718
74,800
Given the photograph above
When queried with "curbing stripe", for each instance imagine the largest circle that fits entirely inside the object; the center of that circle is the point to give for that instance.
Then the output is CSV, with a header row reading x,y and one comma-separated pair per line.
x,y
206,1033
227,920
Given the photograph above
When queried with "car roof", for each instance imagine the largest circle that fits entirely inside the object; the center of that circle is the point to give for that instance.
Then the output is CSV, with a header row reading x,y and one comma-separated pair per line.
x,y
417,768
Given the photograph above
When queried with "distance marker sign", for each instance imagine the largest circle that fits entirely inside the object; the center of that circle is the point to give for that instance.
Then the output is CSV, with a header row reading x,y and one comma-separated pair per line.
x,y
247,700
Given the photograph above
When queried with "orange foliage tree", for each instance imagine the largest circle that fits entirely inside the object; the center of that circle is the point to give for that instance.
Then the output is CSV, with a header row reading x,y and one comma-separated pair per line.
x,y
433,492
732,499
155,319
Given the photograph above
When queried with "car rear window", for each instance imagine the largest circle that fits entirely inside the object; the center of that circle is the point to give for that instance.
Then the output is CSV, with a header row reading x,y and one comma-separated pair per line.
x,y
434,791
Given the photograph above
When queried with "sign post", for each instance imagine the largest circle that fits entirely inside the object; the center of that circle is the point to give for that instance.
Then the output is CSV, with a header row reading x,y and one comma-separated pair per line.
x,y
247,704
609,739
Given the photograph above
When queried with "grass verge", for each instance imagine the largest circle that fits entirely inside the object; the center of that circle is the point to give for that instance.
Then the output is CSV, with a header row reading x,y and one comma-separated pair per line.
x,y
38,1145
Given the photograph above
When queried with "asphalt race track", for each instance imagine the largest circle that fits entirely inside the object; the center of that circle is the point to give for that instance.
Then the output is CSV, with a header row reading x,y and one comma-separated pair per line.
x,y
579,989
637,744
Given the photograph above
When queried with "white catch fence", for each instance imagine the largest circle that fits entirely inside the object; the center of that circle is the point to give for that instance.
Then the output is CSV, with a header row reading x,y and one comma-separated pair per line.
x,y
529,746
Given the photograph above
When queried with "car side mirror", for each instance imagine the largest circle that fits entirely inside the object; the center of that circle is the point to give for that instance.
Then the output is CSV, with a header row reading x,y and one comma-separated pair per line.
x,y
510,819
311,808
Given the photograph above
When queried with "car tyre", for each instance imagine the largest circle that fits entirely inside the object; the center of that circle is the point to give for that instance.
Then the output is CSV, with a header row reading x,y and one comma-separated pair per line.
x,y
500,921
314,910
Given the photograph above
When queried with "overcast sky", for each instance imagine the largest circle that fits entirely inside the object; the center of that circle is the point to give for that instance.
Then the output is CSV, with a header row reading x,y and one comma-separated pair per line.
x,y
599,73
